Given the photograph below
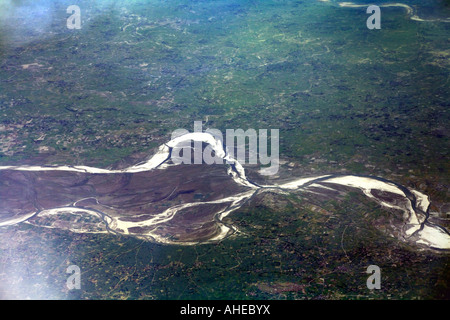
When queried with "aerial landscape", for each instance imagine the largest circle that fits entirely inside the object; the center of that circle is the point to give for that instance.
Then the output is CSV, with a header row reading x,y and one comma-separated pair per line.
x,y
224,150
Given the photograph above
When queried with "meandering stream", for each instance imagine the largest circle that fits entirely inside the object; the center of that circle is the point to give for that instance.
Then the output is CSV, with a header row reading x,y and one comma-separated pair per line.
x,y
414,204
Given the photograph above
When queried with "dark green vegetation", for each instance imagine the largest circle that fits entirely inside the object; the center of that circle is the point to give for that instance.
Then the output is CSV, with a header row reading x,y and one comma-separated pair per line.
x,y
372,101
345,98
291,248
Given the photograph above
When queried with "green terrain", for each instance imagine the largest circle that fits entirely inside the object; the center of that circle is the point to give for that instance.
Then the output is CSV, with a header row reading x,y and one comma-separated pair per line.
x,y
346,99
